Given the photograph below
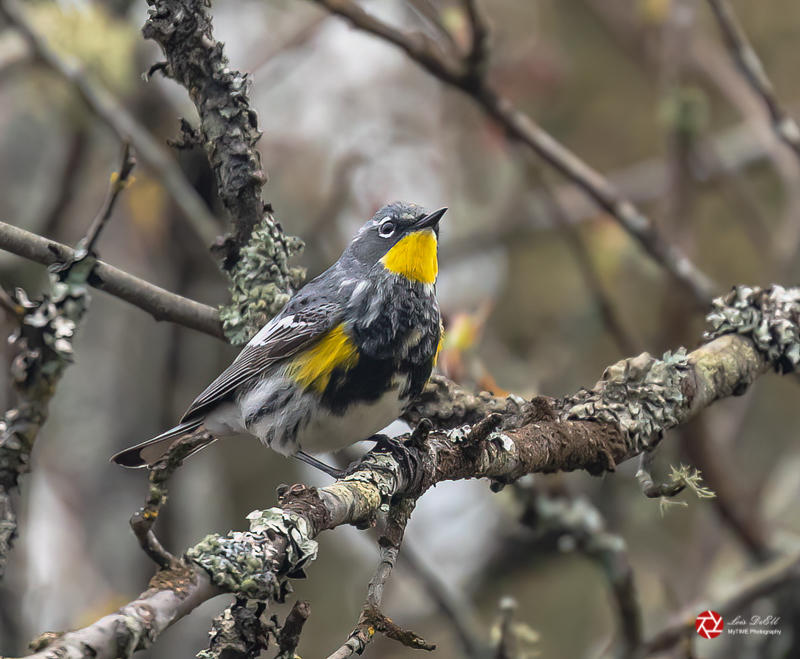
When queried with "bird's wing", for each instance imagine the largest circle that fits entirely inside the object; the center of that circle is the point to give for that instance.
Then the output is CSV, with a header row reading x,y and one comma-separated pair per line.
x,y
284,336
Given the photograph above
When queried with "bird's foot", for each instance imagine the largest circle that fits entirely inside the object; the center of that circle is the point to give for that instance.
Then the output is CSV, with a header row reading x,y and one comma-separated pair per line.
x,y
396,448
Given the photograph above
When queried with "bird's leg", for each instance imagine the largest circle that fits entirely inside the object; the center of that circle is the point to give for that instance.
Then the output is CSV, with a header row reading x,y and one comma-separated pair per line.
x,y
333,472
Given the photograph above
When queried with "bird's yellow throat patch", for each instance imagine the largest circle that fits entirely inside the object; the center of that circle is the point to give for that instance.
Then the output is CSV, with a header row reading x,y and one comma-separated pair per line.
x,y
312,368
414,257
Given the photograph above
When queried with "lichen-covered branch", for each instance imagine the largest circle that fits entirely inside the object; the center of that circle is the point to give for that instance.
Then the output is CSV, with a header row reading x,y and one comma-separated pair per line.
x,y
464,76
42,349
624,414
257,254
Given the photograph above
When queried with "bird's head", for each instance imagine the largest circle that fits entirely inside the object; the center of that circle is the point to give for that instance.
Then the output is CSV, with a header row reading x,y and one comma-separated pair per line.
x,y
403,238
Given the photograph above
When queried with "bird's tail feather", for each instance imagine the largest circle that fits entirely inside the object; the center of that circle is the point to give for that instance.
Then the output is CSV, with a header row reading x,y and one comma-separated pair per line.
x,y
146,453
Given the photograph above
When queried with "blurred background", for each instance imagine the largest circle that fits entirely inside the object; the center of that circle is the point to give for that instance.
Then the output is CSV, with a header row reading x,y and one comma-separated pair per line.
x,y
540,291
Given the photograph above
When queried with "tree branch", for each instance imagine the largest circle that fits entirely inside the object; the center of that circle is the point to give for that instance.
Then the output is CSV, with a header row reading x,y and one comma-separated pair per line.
x,y
624,414
158,302
372,618
257,255
43,349
228,125
521,127
750,65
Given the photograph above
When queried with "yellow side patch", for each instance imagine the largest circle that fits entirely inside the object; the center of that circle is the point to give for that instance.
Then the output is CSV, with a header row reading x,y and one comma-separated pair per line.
x,y
414,257
439,345
312,368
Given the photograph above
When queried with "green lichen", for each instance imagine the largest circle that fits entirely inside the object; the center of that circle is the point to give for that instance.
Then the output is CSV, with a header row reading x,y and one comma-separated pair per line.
x,y
380,470
302,549
641,395
770,318
259,289
242,562
691,479
229,562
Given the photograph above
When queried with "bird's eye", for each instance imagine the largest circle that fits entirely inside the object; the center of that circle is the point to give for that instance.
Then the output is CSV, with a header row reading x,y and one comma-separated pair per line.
x,y
386,229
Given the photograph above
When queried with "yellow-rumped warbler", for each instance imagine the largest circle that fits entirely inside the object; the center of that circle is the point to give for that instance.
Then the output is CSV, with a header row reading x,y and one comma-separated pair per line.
x,y
343,358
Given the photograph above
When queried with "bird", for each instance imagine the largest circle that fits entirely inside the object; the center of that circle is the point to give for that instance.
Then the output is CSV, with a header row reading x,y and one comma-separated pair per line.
x,y
346,355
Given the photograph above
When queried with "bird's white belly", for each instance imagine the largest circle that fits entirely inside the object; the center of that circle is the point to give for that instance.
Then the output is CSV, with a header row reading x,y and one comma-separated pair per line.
x,y
328,432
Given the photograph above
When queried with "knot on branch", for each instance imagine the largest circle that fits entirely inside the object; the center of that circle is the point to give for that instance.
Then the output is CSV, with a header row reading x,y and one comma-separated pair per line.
x,y
642,396
770,318
244,563
449,406
259,288
239,632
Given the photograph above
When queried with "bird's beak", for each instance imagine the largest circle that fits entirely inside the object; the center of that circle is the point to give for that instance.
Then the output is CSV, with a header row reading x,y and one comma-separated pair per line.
x,y
431,220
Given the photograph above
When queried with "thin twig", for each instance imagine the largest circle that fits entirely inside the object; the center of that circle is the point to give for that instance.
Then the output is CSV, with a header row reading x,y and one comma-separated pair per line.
x,y
68,181
477,58
119,181
430,15
115,116
372,619
142,521
555,516
650,487
158,302
506,641
750,65
521,127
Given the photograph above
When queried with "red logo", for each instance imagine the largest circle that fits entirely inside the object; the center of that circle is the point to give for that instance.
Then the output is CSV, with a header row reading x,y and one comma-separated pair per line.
x,y
709,624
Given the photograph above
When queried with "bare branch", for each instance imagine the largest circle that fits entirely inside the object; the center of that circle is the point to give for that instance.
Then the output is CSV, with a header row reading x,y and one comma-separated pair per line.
x,y
158,302
477,58
521,127
142,520
591,277
750,65
115,116
454,608
554,515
